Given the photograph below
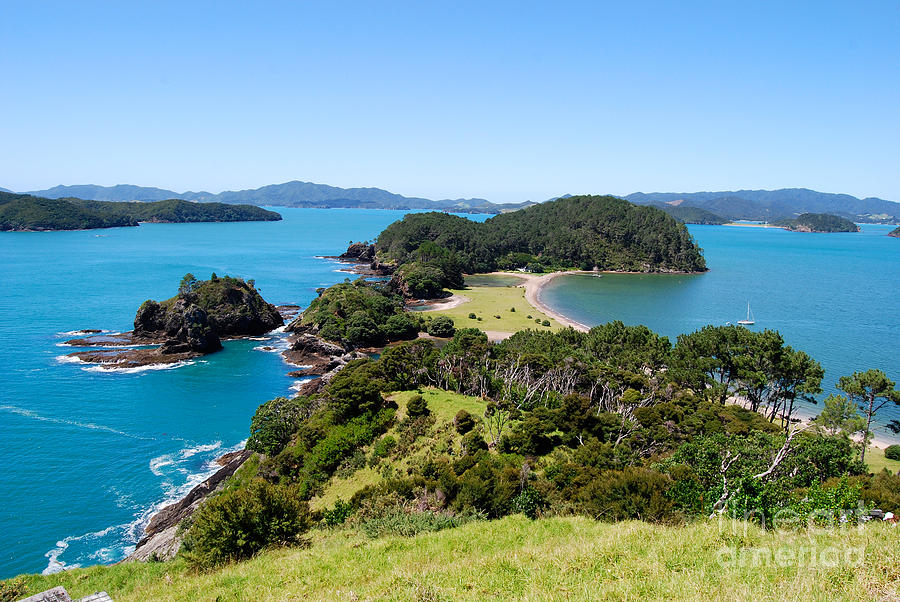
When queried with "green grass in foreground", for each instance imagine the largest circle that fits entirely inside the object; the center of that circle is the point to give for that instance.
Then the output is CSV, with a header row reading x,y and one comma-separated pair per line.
x,y
547,559
486,302
877,462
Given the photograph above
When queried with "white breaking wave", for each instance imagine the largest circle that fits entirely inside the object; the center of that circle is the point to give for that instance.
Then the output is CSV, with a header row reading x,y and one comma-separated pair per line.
x,y
55,565
136,369
84,425
296,386
128,534
69,359
159,462
193,451
75,333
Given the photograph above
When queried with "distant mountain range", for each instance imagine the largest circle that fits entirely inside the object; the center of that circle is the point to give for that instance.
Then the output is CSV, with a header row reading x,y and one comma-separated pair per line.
x,y
773,205
289,194
763,205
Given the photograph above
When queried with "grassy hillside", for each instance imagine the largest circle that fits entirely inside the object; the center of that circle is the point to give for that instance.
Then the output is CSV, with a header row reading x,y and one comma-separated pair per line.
x,y
488,302
547,559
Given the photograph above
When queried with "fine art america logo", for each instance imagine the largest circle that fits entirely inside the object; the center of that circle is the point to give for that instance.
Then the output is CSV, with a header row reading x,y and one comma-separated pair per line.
x,y
802,545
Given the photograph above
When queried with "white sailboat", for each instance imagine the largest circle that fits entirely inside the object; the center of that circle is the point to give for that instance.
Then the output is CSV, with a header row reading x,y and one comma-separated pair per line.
x,y
749,321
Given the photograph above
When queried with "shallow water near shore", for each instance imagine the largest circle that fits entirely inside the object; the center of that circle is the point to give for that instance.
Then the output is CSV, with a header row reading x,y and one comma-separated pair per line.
x,y
90,454
834,296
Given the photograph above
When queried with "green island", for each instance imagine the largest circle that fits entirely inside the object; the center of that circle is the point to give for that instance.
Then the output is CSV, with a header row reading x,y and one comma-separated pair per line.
x,y
554,463
895,232
818,222
23,212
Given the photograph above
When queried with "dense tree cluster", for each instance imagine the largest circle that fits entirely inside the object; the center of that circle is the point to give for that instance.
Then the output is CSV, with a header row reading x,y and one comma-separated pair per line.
x,y
26,212
360,314
819,222
585,232
614,423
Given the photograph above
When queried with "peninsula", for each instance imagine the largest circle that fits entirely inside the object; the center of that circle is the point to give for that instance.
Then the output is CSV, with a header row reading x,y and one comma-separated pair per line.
x,y
895,232
23,212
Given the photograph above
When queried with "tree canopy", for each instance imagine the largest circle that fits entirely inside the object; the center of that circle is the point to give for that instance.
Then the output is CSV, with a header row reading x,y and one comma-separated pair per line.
x,y
584,232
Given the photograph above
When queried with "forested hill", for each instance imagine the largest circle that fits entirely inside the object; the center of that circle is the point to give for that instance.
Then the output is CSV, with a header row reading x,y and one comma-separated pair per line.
x,y
819,222
583,232
692,215
26,212
287,194
772,205
895,233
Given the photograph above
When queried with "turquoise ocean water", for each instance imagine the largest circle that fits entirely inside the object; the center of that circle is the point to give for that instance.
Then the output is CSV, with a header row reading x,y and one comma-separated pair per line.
x,y
89,455
834,296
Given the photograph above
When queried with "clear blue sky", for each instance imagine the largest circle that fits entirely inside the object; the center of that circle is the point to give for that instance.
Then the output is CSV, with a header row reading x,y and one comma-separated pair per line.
x,y
509,101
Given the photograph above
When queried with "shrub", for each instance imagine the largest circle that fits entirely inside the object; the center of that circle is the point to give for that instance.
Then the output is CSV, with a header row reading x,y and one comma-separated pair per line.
x,y
274,422
416,406
528,502
408,524
390,514
472,315
14,589
384,447
441,326
464,422
338,514
356,390
529,316
545,323
633,493
400,327
512,309
472,443
892,452
829,505
238,523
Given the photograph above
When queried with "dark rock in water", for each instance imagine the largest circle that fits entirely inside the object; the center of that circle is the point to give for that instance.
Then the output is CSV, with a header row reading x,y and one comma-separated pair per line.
x,y
192,323
119,359
174,346
220,308
312,345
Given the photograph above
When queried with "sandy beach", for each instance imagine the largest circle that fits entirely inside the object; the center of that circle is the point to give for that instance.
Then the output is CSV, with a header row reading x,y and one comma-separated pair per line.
x,y
533,284
454,300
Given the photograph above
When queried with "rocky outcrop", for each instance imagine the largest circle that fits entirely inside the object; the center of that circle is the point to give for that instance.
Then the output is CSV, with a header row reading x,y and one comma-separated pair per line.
x,y
364,260
192,323
161,540
183,326
358,251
